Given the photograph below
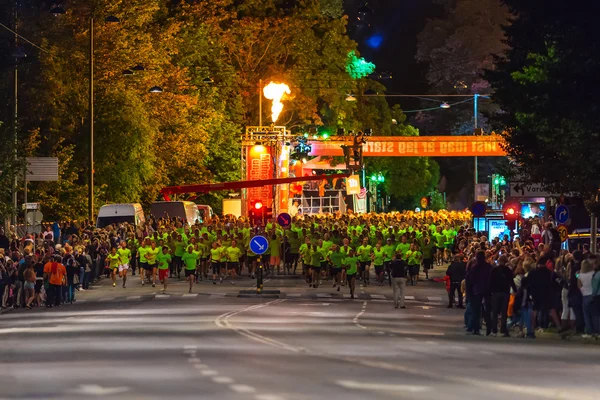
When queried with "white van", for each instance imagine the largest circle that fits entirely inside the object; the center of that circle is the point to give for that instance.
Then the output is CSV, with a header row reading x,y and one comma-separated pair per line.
x,y
119,213
186,210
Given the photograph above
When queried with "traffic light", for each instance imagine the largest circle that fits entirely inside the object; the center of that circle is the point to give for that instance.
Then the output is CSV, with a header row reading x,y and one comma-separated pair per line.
x,y
256,213
511,212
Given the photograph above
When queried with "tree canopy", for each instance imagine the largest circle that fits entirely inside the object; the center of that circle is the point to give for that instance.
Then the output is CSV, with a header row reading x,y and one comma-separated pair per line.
x,y
546,84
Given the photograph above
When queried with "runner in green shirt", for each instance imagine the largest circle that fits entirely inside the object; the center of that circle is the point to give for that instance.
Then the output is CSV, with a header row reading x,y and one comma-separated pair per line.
x,y
427,250
378,256
351,262
112,261
164,259
390,251
216,254
413,259
190,259
336,258
142,255
150,257
233,254
124,259
305,255
403,247
364,256
179,250
315,262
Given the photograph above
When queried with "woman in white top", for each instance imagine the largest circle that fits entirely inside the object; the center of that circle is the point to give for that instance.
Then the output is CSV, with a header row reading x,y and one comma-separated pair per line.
x,y
584,281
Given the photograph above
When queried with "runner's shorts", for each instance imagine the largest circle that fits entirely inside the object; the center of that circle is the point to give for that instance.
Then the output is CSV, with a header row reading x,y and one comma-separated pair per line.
x,y
427,263
233,265
150,267
163,273
189,272
123,267
216,267
413,270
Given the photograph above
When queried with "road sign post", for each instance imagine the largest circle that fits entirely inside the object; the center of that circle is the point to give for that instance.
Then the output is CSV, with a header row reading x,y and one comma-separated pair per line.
x,y
259,245
561,214
284,220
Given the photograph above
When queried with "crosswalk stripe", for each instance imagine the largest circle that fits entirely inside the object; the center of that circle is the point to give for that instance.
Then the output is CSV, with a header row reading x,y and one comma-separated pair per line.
x,y
190,295
434,298
409,297
377,296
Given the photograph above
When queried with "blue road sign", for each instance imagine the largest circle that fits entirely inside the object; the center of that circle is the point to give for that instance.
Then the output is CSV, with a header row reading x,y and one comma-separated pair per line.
x,y
478,209
284,220
259,244
561,214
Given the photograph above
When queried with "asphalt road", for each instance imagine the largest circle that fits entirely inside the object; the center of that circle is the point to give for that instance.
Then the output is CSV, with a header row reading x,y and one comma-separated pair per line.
x,y
306,347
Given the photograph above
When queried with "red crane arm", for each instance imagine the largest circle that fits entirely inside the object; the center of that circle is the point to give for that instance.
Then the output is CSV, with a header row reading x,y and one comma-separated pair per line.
x,y
211,187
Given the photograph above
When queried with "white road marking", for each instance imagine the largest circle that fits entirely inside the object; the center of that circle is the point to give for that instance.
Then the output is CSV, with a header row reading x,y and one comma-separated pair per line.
x,y
193,360
209,372
190,295
200,366
106,299
425,308
190,347
346,295
162,296
431,343
427,316
268,397
383,387
293,295
133,297
434,298
97,390
321,295
377,296
409,297
242,388
487,353
222,379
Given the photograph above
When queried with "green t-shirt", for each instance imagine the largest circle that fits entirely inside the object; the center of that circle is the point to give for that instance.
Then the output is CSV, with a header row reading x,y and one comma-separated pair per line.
x,y
151,254
315,258
233,254
294,245
113,260
142,253
440,239
189,259
216,254
413,257
364,253
124,255
389,250
179,248
275,247
352,265
337,258
305,253
327,245
345,250
402,248
427,250
379,256
163,260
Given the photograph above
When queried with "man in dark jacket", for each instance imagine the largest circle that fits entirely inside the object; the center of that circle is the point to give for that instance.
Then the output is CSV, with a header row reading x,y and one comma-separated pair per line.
x,y
540,286
501,281
398,277
478,290
456,272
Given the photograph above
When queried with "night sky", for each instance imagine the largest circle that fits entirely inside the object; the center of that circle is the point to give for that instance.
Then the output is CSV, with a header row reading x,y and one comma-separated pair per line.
x,y
390,42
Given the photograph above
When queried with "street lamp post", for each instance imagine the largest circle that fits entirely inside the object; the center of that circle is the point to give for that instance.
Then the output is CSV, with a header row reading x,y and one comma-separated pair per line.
x,y
56,11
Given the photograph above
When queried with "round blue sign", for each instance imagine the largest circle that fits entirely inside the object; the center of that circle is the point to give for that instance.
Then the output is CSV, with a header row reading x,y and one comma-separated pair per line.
x,y
284,220
259,244
478,209
562,214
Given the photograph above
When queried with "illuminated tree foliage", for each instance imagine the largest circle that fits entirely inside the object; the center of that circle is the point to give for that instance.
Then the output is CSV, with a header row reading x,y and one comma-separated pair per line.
x,y
358,67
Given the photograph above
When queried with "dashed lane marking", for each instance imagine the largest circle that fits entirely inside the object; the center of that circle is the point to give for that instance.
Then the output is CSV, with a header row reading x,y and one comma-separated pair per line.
x,y
134,297
209,372
242,388
222,379
434,298
383,387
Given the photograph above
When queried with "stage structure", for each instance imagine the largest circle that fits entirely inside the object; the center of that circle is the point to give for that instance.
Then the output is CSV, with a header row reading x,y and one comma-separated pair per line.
x,y
265,155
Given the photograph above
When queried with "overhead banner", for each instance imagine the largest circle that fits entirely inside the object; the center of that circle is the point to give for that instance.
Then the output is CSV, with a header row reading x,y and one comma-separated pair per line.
x,y
416,146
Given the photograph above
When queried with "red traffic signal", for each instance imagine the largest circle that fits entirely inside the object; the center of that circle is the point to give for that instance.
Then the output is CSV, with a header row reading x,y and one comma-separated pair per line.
x,y
511,212
257,205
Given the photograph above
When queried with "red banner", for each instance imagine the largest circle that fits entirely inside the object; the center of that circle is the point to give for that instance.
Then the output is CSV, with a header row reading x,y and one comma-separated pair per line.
x,y
416,146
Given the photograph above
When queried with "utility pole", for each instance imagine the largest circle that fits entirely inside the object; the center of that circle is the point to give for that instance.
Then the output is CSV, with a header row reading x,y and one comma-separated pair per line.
x,y
16,121
475,126
91,116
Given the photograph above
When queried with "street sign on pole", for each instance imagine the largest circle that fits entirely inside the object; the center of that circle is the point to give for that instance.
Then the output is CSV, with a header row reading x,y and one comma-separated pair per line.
x,y
519,189
284,220
478,209
564,232
561,214
259,244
